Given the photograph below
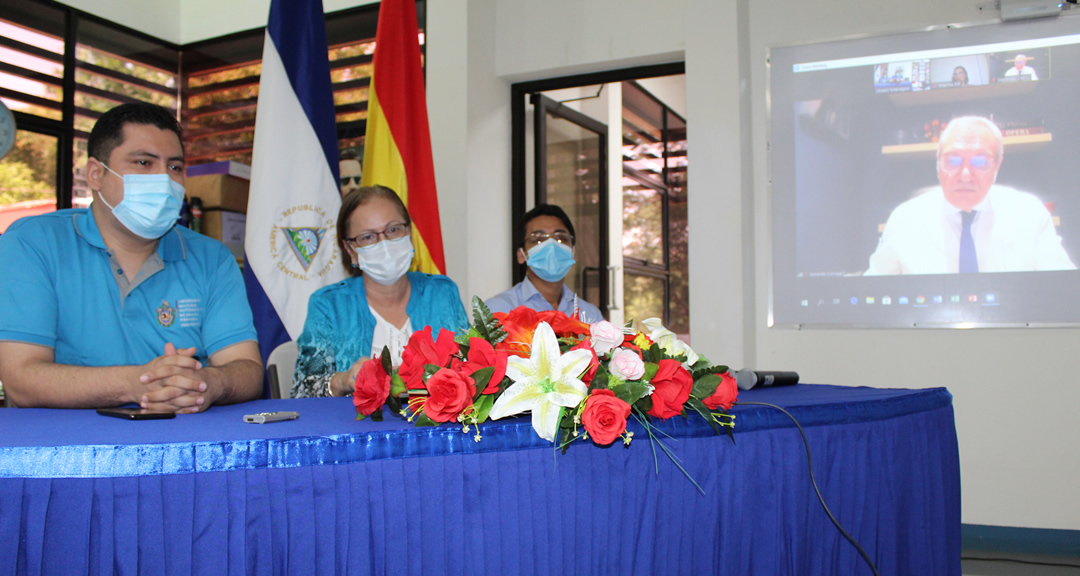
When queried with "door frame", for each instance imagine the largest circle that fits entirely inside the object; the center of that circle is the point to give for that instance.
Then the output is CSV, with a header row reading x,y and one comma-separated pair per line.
x,y
519,94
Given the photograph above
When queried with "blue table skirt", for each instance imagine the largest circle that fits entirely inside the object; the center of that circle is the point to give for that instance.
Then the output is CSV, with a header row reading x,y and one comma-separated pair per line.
x,y
208,494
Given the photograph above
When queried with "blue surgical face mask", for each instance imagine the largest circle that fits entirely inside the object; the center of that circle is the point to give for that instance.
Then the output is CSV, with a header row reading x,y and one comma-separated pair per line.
x,y
550,260
151,204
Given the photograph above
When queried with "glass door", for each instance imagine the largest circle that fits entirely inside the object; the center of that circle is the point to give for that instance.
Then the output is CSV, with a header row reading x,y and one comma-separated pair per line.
x,y
571,171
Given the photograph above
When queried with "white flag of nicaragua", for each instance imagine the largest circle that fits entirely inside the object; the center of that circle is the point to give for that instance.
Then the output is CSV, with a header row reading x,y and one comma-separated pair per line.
x,y
291,243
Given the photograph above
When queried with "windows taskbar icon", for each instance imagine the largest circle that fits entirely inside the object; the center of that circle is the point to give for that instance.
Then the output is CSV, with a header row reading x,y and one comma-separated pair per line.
x,y
988,298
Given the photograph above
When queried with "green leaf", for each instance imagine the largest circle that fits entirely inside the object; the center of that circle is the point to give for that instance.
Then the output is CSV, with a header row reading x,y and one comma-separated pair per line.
x,y
430,369
705,387
702,409
360,416
631,392
486,323
654,354
394,403
700,371
423,420
482,377
644,404
650,371
462,340
483,405
387,364
600,380
397,385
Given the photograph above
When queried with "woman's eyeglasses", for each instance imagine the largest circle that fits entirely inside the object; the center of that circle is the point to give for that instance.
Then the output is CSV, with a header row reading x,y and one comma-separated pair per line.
x,y
371,237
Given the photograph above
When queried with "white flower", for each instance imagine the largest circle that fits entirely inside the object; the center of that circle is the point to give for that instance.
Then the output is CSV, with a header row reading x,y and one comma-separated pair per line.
x,y
605,337
626,364
543,383
667,340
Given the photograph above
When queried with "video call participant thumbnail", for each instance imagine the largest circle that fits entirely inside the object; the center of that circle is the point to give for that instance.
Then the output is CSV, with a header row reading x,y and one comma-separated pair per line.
x,y
1020,69
969,223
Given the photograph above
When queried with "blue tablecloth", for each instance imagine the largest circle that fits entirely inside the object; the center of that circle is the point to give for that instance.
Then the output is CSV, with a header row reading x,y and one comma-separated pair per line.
x,y
324,494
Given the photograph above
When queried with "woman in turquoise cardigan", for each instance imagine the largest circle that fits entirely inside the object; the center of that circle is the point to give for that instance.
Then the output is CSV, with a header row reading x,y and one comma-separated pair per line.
x,y
380,304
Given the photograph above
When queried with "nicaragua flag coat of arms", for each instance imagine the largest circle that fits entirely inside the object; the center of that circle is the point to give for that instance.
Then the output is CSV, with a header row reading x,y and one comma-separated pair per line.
x,y
291,241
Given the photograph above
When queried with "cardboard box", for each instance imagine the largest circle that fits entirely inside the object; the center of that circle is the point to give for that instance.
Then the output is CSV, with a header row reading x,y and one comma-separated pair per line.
x,y
219,191
224,167
229,227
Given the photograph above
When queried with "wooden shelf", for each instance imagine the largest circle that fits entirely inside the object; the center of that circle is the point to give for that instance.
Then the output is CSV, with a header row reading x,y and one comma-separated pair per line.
x,y
932,146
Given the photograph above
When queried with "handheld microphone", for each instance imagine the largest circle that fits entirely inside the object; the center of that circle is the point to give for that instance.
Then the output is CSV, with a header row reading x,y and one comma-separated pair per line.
x,y
747,379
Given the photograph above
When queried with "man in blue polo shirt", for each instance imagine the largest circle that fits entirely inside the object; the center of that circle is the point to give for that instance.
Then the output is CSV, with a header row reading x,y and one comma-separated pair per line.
x,y
547,248
115,304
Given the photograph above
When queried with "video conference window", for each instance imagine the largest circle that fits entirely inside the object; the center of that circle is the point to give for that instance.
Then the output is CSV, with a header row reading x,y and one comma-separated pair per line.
x,y
931,183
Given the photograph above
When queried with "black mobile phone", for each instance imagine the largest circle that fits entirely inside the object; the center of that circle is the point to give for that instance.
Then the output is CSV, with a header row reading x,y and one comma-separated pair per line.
x,y
135,414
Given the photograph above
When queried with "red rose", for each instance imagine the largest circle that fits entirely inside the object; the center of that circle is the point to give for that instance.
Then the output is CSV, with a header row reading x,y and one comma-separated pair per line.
x,y
449,393
726,393
593,364
604,416
372,387
421,351
481,355
672,385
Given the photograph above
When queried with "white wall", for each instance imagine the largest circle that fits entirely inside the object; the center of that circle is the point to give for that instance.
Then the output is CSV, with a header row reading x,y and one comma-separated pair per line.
x,y
186,21
159,18
1012,395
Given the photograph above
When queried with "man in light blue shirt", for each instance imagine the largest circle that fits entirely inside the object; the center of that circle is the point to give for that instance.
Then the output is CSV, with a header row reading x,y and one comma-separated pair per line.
x,y
114,304
548,250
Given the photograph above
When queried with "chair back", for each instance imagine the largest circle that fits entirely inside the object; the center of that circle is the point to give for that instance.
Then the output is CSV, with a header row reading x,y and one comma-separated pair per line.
x,y
280,367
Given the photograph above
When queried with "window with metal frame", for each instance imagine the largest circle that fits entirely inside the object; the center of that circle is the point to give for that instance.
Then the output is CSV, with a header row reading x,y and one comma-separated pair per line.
x,y
61,68
655,278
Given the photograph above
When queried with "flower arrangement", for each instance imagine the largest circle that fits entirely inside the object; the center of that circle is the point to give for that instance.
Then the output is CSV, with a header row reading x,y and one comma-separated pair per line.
x,y
584,380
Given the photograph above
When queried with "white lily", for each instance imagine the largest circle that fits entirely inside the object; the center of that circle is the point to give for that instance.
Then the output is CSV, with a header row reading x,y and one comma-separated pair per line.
x,y
543,383
667,340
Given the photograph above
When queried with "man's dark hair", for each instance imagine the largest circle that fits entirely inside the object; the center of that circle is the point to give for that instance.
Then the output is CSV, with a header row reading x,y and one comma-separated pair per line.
x,y
108,131
349,154
544,210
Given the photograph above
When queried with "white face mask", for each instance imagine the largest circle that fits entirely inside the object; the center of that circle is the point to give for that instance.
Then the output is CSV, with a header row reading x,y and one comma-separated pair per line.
x,y
387,261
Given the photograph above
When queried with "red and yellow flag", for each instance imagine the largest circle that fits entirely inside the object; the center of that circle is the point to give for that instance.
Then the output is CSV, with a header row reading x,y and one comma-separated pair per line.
x,y
397,149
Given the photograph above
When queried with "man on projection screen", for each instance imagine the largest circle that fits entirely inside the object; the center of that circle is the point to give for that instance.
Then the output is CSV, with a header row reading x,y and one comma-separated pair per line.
x,y
969,223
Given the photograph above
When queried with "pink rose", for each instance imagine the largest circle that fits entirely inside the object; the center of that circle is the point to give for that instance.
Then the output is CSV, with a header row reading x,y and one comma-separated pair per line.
x,y
605,337
626,364
604,416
